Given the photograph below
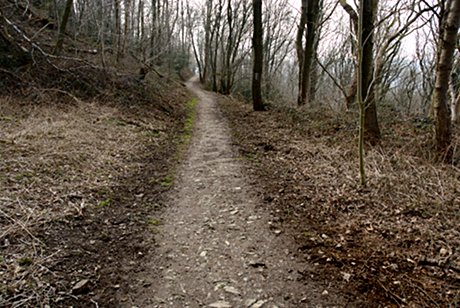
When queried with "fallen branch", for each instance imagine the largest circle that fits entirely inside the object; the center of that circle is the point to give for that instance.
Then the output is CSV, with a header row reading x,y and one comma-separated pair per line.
x,y
28,40
146,67
44,53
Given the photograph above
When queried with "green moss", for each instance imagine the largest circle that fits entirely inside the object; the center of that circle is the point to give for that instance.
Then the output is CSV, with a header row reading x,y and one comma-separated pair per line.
x,y
167,181
152,221
152,133
23,176
104,203
6,118
25,261
190,119
115,121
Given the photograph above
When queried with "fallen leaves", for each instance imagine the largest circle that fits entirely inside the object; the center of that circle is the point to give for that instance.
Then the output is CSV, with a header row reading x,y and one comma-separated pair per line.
x,y
359,238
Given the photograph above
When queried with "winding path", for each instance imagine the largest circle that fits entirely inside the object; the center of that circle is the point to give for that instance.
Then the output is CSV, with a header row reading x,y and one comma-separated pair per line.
x,y
215,247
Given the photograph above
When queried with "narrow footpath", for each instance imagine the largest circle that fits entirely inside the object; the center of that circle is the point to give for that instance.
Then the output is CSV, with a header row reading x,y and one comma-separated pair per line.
x,y
215,247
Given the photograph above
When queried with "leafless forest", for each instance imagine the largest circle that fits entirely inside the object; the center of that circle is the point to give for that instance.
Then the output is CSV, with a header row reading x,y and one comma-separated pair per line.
x,y
345,113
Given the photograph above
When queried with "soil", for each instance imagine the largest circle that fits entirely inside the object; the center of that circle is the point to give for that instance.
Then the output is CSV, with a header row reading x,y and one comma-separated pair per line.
x,y
216,246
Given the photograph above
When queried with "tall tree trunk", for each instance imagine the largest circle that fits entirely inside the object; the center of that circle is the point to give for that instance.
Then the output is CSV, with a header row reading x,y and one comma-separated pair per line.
x,y
127,30
371,125
117,29
65,19
154,28
309,52
225,83
446,47
207,42
299,43
257,40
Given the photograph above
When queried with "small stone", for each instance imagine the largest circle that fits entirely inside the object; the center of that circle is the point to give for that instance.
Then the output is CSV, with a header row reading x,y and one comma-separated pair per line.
x,y
257,264
203,253
258,304
220,304
231,290
81,287
346,276
277,232
443,252
325,292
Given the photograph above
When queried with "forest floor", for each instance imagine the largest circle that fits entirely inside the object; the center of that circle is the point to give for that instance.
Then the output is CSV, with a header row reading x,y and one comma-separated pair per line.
x,y
116,203
394,243
80,183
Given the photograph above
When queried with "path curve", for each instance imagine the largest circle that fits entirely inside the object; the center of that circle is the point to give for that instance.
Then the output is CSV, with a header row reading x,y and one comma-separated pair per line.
x,y
215,247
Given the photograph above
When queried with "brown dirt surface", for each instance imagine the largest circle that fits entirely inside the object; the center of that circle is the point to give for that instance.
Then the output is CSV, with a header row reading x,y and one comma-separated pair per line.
x,y
79,182
216,244
392,244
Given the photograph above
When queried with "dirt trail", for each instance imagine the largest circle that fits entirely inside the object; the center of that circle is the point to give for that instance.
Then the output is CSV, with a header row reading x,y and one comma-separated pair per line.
x,y
216,248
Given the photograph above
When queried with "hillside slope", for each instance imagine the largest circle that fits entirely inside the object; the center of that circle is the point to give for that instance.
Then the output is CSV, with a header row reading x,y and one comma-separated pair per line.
x,y
85,155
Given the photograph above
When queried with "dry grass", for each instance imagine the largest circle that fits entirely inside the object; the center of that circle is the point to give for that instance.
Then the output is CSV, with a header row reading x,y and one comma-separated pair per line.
x,y
395,242
56,161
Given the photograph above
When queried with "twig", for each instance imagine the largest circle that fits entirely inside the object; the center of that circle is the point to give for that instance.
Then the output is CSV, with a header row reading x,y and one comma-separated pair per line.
x,y
17,223
395,297
63,92
95,303
426,294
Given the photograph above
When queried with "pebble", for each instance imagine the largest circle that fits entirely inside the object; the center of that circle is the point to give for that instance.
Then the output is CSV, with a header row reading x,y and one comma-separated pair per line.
x,y
231,290
81,287
258,304
220,304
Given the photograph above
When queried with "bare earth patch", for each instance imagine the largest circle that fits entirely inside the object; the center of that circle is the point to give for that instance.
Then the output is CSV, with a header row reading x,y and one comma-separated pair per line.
x,y
393,243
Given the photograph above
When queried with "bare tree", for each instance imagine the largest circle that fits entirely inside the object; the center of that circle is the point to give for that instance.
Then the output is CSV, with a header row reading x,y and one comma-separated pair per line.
x,y
450,21
63,26
257,42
